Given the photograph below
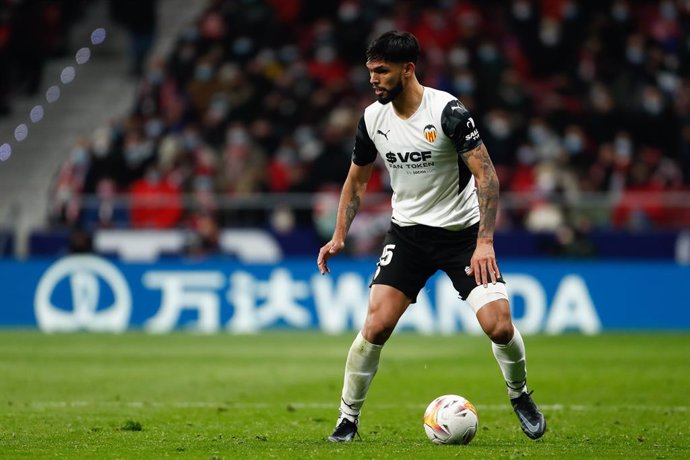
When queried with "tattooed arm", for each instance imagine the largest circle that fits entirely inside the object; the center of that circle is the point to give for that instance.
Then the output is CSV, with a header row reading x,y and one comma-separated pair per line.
x,y
479,163
483,264
350,199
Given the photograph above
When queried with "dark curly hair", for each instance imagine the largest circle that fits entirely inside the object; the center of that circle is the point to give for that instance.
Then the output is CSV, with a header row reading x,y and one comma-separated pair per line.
x,y
394,46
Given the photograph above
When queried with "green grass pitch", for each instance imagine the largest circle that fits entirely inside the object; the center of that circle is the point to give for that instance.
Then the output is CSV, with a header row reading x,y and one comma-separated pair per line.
x,y
275,395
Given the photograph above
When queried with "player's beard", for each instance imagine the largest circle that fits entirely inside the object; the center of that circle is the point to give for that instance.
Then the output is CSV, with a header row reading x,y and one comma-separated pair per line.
x,y
391,94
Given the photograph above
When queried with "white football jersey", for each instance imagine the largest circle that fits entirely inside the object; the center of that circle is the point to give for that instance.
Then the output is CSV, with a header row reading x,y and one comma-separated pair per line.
x,y
431,184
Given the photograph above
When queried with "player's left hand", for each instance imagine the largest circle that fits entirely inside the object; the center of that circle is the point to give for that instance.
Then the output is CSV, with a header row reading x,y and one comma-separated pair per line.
x,y
483,263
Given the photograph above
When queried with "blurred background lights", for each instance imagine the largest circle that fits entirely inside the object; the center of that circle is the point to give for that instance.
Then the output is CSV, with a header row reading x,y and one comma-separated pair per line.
x,y
53,94
98,36
36,114
20,132
67,75
5,151
83,56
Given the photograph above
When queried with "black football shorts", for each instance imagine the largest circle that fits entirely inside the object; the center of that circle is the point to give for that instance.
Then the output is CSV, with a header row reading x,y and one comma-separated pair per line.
x,y
411,255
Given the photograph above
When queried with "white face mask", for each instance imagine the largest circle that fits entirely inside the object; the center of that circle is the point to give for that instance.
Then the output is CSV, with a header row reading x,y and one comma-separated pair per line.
x,y
668,10
620,12
203,72
137,153
79,156
550,34
348,12
634,54
464,84
623,146
191,141
522,10
537,134
459,57
569,10
499,127
652,104
573,143
487,52
101,148
153,177
155,76
154,128
325,54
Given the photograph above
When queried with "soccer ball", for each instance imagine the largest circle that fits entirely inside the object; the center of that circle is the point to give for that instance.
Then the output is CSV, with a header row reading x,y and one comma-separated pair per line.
x,y
450,419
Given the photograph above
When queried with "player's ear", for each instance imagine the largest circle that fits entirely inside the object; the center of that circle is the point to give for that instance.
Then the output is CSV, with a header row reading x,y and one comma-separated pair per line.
x,y
408,69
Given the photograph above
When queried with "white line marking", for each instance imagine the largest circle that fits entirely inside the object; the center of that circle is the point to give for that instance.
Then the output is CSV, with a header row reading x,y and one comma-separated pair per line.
x,y
323,405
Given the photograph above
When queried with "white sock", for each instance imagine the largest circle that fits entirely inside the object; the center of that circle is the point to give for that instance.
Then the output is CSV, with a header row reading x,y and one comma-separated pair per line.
x,y
360,368
511,360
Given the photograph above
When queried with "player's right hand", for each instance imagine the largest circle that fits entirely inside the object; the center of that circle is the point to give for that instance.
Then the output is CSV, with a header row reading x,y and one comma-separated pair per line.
x,y
327,250
483,263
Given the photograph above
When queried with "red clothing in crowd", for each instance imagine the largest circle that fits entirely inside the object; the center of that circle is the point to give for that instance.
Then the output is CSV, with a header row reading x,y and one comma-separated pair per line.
x,y
155,204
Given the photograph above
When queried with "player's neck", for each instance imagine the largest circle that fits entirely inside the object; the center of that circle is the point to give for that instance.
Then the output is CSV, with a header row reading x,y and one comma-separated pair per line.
x,y
409,100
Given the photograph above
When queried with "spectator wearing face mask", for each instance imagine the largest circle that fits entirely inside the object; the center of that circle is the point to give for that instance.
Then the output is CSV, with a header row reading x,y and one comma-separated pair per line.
x,y
68,187
572,92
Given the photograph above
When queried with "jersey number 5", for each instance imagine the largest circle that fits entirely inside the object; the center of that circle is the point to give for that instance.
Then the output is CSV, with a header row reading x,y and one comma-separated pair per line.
x,y
386,255
385,259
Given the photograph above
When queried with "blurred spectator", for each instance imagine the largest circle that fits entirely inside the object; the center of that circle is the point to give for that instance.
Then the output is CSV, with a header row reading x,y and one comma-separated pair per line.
x,y
138,152
571,98
68,186
203,236
572,242
156,202
139,18
80,241
107,210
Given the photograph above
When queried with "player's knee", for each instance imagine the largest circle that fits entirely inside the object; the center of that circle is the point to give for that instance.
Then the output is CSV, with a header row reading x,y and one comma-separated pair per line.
x,y
378,327
376,331
500,332
385,309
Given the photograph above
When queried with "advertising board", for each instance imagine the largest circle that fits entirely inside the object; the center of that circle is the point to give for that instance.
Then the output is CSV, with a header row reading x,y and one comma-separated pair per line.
x,y
90,293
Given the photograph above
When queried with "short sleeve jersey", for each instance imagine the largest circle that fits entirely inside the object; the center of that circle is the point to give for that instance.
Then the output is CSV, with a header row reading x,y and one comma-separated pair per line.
x,y
431,184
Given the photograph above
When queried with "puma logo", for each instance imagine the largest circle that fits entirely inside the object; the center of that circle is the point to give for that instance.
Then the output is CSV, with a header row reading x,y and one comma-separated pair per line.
x,y
383,134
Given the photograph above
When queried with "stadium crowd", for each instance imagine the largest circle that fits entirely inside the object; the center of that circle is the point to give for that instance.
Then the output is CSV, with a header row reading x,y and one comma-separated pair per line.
x,y
263,96
31,32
